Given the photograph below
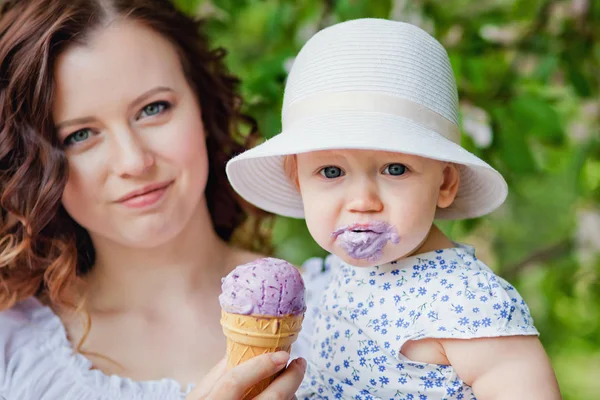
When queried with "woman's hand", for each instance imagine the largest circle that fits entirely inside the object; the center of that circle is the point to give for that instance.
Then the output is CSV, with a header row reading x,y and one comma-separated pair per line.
x,y
220,384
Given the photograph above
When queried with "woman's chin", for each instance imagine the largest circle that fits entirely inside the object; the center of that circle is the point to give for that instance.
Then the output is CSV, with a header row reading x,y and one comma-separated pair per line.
x,y
146,235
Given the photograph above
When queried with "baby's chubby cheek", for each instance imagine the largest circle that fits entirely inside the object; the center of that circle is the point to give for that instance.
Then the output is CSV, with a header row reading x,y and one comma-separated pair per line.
x,y
319,228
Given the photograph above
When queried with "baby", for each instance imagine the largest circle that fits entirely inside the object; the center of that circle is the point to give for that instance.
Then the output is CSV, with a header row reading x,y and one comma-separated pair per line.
x,y
370,155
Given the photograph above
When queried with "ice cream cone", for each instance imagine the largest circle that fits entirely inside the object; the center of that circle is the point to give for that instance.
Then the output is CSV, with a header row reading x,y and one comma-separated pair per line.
x,y
263,307
249,336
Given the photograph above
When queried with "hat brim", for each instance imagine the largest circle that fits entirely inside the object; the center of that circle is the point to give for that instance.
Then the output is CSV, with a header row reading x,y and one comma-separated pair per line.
x,y
258,174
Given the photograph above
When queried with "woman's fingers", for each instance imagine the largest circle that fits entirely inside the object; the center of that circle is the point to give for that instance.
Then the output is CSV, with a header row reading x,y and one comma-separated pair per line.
x,y
207,383
286,384
234,384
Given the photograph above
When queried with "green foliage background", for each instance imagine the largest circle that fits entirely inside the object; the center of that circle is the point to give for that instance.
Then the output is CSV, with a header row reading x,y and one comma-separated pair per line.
x,y
528,73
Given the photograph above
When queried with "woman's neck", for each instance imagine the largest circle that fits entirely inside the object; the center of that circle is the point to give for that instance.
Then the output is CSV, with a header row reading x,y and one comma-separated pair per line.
x,y
138,279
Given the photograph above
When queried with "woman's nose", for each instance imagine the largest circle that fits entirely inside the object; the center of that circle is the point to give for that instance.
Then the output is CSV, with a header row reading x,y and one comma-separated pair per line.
x,y
363,196
131,157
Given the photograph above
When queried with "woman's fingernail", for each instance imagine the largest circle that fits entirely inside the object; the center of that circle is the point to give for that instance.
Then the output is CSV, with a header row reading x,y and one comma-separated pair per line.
x,y
281,357
301,363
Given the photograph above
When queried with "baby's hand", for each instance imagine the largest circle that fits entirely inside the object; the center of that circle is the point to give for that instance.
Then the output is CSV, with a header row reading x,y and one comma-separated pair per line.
x,y
511,367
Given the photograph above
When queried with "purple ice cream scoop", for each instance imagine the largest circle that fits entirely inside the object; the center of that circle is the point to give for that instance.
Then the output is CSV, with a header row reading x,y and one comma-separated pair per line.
x,y
267,286
365,241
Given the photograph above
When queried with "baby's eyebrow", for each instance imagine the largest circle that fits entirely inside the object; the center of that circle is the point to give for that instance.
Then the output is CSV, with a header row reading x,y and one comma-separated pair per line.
x,y
322,158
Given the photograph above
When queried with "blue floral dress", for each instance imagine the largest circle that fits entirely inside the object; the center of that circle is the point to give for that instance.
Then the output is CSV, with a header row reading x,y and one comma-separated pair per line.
x,y
359,322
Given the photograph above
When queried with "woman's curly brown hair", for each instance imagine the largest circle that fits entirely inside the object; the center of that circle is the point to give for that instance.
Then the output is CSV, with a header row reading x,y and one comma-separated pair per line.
x,y
43,252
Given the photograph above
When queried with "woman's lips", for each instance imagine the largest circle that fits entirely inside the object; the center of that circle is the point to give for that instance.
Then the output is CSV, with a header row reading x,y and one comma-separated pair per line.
x,y
365,241
145,197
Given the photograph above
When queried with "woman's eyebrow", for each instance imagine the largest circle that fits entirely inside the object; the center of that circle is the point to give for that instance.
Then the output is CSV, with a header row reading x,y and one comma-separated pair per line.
x,y
137,100
149,93
76,121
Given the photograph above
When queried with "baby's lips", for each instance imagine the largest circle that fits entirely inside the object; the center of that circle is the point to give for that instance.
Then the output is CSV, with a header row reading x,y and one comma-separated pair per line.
x,y
376,226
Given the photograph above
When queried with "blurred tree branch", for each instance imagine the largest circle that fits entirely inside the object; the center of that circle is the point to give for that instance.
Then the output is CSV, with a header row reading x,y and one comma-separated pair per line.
x,y
553,252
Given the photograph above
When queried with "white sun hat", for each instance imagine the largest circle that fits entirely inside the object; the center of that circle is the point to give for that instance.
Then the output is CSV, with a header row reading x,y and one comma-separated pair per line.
x,y
368,84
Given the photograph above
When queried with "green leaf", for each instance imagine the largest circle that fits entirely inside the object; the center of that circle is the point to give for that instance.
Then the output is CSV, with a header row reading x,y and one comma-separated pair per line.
x,y
187,6
547,66
352,9
590,177
513,147
578,80
536,117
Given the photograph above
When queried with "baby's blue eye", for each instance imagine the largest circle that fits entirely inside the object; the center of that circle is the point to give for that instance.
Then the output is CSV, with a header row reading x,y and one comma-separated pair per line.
x,y
395,169
331,172
154,109
79,136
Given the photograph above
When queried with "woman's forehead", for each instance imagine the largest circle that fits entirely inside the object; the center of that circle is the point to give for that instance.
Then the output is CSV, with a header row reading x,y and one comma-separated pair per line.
x,y
118,63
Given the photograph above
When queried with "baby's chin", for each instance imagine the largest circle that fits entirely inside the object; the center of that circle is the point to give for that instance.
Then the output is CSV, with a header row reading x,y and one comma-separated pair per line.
x,y
385,258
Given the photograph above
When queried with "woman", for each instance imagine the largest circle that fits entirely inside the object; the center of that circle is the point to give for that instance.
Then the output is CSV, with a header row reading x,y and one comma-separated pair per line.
x,y
115,125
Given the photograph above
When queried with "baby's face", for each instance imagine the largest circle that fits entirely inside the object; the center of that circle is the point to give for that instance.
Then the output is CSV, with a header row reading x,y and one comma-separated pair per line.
x,y
371,207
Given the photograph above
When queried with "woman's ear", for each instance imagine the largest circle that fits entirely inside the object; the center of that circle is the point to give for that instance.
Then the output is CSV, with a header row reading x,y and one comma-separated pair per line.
x,y
449,187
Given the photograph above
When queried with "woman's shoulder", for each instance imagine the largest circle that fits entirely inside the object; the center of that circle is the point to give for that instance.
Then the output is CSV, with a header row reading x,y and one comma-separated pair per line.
x,y
21,329
20,313
37,361
19,323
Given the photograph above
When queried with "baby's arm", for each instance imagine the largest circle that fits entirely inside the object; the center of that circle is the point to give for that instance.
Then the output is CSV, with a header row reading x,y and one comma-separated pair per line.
x,y
511,367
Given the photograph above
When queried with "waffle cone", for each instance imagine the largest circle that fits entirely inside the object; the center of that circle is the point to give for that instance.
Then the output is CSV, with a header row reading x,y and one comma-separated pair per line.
x,y
249,336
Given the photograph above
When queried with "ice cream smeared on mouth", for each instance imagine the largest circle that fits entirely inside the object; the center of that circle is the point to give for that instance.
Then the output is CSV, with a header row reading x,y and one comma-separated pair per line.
x,y
366,241
267,286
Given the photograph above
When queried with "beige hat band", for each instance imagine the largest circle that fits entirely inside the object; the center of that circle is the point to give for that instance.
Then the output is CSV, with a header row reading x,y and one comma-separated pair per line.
x,y
370,102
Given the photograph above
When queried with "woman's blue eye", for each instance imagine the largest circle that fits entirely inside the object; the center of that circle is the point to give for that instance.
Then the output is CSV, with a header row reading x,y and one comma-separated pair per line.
x,y
154,109
331,172
79,136
395,169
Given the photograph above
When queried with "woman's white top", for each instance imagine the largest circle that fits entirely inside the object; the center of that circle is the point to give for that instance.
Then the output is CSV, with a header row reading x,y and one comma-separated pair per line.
x,y
37,362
